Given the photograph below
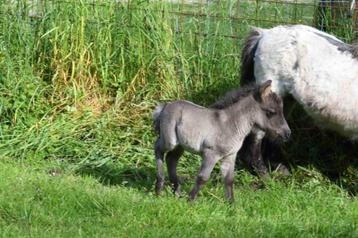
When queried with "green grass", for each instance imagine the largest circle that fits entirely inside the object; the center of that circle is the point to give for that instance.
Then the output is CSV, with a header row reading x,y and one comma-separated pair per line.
x,y
35,203
77,86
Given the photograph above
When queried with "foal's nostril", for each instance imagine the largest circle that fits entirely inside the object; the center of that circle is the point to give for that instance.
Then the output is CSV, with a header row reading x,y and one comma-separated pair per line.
x,y
287,135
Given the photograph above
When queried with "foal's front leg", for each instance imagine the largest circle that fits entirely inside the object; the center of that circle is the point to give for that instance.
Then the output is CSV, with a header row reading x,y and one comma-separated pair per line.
x,y
227,170
209,160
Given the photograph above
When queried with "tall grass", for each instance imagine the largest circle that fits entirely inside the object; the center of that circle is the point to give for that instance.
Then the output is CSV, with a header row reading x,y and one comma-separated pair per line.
x,y
74,75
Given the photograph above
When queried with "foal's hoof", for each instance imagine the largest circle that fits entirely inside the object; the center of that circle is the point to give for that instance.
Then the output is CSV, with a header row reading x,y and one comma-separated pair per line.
x,y
158,188
157,192
178,193
231,201
191,198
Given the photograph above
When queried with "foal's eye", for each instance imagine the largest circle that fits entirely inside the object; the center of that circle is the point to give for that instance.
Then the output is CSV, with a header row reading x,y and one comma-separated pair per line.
x,y
270,113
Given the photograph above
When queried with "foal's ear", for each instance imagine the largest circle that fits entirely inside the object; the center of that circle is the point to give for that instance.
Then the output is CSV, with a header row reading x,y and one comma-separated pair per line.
x,y
265,89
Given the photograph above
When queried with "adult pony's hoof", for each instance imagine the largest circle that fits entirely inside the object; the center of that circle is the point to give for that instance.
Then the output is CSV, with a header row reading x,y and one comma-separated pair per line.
x,y
282,169
191,200
192,196
178,193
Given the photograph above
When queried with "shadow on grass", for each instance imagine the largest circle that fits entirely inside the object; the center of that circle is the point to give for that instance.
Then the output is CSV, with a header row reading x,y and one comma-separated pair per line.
x,y
138,178
333,155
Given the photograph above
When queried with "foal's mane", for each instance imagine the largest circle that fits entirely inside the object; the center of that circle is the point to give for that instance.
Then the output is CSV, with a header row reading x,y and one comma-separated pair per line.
x,y
234,96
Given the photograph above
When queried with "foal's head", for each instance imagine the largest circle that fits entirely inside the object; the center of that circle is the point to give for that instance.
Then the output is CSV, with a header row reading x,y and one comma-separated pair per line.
x,y
270,116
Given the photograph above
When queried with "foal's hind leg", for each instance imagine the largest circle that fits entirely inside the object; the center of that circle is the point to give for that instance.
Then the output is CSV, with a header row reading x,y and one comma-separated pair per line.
x,y
209,160
159,154
172,159
227,170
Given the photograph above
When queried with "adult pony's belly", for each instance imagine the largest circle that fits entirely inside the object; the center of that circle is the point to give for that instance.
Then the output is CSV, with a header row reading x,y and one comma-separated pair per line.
x,y
329,113
329,95
327,121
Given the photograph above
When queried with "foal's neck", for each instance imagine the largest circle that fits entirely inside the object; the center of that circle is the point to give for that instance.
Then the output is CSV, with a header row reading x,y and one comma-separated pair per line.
x,y
241,115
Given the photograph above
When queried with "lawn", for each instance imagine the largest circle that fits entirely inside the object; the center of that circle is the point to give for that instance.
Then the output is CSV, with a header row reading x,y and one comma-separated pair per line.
x,y
44,199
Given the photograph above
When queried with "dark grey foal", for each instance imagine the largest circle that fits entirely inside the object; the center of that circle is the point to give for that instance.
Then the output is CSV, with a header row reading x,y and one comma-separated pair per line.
x,y
215,134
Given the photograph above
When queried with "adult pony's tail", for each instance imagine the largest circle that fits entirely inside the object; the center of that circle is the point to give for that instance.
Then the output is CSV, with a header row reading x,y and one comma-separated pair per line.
x,y
248,55
156,116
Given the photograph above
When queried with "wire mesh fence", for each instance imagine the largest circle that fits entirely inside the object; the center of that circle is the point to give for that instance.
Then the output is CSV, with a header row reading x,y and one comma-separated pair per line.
x,y
337,17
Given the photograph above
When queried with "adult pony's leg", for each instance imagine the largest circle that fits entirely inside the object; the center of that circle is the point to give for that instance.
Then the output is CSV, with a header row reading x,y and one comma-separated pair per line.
x,y
272,153
273,157
256,69
159,154
172,159
210,158
259,154
250,153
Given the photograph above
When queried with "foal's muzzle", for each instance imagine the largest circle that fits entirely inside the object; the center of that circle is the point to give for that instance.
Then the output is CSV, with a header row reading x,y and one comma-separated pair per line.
x,y
285,135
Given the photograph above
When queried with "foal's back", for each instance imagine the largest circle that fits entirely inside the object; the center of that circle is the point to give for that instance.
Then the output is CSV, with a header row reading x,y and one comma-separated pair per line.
x,y
190,125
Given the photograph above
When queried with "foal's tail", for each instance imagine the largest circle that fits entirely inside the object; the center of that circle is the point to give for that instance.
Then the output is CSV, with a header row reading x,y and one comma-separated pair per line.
x,y
156,116
248,55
